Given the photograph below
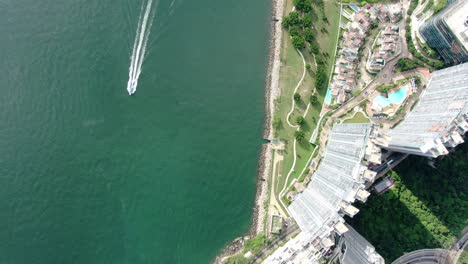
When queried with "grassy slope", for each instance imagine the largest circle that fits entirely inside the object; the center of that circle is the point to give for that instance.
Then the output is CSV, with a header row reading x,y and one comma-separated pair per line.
x,y
426,209
464,257
358,118
290,74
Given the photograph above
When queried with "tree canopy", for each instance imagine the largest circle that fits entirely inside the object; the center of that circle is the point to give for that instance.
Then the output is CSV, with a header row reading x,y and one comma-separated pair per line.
x,y
300,120
299,135
303,5
297,97
313,99
298,42
320,78
427,208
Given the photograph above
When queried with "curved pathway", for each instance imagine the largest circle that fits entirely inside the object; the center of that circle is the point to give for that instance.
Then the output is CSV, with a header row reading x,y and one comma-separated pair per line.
x,y
294,126
424,256
295,90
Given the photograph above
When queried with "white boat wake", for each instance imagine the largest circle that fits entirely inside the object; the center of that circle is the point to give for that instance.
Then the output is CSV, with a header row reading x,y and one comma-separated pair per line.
x,y
145,22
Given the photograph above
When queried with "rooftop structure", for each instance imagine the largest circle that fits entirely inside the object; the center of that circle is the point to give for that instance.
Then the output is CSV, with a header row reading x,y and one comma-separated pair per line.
x,y
344,79
439,120
296,250
388,43
340,180
357,249
447,32
384,185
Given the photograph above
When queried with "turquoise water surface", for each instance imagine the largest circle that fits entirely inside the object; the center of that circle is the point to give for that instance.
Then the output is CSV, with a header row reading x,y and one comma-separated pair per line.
x,y
91,175
328,96
396,97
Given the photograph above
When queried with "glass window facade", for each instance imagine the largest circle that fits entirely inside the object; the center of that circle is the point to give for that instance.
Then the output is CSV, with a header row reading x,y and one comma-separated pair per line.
x,y
440,36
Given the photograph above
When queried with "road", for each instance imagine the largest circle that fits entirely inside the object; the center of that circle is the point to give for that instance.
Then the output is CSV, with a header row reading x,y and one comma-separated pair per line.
x,y
286,235
384,76
423,256
459,247
439,256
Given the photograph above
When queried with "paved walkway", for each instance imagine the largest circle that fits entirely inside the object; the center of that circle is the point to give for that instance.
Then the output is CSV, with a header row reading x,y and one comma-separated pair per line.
x,y
293,105
274,206
297,127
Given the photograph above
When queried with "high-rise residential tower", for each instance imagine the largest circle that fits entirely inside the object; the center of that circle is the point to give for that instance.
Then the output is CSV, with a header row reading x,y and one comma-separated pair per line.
x,y
439,120
447,32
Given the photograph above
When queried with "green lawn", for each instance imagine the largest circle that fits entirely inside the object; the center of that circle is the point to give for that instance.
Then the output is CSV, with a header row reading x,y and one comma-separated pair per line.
x,y
358,118
464,257
328,41
290,74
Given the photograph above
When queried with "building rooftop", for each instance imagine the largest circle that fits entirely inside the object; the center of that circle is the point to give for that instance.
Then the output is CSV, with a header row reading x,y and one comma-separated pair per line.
x,y
359,250
442,108
318,210
339,178
458,22
296,250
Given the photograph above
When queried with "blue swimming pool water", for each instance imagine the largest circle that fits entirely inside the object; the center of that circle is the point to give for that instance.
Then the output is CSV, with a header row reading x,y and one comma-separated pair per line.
x,y
396,97
354,7
328,96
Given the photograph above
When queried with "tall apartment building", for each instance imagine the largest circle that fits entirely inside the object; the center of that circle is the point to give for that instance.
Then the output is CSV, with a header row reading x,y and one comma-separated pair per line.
x,y
338,182
447,32
439,120
354,249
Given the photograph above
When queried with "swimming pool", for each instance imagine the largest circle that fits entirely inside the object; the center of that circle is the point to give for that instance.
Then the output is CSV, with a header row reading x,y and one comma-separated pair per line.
x,y
396,97
328,96
354,7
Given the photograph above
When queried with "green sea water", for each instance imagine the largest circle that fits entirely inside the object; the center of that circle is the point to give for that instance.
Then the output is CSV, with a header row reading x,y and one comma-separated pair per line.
x,y
89,174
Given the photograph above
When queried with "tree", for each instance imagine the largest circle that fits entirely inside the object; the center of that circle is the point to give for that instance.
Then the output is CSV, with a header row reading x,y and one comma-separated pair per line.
x,y
439,64
308,67
406,64
292,19
440,5
314,48
286,22
303,5
294,31
297,97
313,99
300,120
320,78
299,135
298,42
307,21
309,37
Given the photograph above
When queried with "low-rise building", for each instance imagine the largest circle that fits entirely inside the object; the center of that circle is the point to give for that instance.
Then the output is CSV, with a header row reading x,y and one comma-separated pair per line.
x,y
388,43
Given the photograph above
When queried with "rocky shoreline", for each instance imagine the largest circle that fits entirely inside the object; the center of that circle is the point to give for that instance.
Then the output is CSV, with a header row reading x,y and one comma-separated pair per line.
x,y
272,91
